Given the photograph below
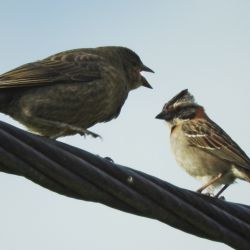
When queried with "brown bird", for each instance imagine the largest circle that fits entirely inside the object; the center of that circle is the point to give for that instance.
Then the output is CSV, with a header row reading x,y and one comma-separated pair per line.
x,y
71,91
201,147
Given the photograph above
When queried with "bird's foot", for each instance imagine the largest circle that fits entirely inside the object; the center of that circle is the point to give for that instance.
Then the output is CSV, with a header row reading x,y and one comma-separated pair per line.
x,y
65,128
85,132
209,194
75,130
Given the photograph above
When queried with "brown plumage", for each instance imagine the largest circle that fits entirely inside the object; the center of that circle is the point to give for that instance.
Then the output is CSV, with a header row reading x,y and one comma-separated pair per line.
x,y
201,147
71,91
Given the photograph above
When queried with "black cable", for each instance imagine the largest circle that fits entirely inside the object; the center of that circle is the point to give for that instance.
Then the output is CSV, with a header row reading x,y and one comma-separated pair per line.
x,y
79,174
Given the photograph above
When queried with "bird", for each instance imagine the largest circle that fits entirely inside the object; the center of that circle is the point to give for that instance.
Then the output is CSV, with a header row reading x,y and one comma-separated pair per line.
x,y
70,91
201,147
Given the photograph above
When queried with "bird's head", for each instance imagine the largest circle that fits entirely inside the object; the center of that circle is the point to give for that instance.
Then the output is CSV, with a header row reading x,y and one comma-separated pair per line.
x,y
181,108
133,67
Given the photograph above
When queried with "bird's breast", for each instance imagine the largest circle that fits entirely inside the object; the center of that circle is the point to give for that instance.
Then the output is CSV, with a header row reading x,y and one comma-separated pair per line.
x,y
192,159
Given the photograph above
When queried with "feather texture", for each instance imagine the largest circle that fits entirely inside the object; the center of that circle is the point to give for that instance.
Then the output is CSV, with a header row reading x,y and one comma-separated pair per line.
x,y
60,68
208,136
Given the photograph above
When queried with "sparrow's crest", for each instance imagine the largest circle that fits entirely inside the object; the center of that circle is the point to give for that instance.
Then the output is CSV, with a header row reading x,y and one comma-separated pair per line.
x,y
183,98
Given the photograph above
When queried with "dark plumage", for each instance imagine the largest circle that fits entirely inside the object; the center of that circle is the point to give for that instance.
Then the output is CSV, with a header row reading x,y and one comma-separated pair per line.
x,y
71,91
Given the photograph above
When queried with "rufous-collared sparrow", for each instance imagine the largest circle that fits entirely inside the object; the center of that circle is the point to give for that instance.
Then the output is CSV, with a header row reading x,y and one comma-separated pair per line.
x,y
201,147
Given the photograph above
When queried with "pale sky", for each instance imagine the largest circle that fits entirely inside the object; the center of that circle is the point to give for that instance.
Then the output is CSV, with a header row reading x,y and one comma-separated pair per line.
x,y
200,45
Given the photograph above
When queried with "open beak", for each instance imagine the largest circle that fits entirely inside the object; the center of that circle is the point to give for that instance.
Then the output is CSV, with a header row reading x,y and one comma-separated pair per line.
x,y
145,82
147,69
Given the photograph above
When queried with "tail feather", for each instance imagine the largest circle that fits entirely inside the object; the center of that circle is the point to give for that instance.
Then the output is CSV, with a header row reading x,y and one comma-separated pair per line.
x,y
242,173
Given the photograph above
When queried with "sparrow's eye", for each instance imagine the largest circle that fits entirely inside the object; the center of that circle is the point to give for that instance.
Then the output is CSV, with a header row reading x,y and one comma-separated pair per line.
x,y
169,108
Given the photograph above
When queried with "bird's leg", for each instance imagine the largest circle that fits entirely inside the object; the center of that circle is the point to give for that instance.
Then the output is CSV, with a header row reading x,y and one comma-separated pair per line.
x,y
65,127
78,130
222,190
210,182
87,132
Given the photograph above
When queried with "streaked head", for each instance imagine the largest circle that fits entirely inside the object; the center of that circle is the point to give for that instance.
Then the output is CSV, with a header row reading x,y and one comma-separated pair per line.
x,y
180,108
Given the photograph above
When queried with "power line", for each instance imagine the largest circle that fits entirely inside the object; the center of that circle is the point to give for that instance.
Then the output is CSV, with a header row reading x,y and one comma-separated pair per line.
x,y
79,174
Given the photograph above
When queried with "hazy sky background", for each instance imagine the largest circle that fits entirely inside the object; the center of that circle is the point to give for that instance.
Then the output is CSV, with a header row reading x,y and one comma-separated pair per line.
x,y
200,45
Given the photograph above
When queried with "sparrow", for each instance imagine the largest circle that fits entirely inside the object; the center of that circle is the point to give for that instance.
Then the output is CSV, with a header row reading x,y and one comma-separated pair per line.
x,y
201,147
68,92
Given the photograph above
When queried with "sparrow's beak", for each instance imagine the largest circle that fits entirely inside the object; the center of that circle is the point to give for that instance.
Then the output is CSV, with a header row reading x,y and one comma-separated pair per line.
x,y
147,69
161,116
145,82
164,115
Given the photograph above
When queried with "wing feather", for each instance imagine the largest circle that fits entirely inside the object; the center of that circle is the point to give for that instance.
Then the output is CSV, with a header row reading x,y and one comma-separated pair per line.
x,y
69,66
208,136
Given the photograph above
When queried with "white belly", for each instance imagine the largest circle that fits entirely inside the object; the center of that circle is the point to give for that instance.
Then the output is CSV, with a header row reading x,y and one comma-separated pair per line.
x,y
196,162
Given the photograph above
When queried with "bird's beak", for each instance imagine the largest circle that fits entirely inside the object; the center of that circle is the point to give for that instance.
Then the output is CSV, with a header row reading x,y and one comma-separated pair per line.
x,y
145,83
163,116
147,69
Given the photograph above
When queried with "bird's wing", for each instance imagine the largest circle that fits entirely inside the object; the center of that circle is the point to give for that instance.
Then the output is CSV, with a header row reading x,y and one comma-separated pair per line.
x,y
209,137
67,66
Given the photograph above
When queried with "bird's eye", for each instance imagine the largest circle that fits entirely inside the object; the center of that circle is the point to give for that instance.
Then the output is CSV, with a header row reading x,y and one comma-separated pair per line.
x,y
167,107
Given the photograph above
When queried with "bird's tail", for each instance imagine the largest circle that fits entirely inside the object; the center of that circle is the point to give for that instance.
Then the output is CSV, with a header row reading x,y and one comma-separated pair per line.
x,y
243,174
